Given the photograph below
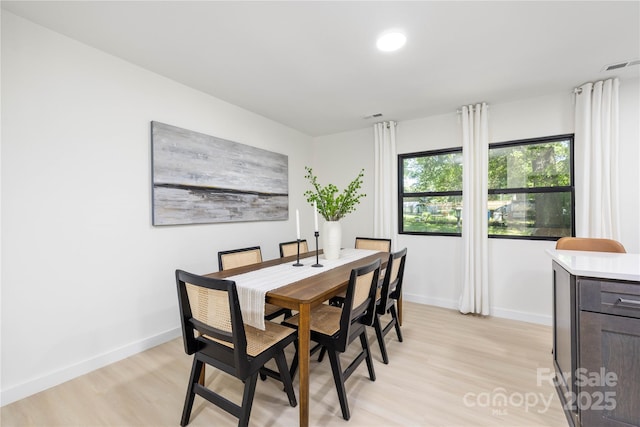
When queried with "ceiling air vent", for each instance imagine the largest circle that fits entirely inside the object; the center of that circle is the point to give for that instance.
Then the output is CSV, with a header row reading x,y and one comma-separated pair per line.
x,y
373,116
619,65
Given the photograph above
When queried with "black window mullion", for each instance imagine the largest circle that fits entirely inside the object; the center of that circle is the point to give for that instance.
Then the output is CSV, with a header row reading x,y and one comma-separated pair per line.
x,y
432,194
562,189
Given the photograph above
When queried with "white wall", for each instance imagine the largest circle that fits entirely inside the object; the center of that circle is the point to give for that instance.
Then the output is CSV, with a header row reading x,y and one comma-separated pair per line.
x,y
337,160
86,278
520,276
629,164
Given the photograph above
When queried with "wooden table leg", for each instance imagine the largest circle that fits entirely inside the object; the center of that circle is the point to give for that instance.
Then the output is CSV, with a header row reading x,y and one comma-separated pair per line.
x,y
304,336
400,310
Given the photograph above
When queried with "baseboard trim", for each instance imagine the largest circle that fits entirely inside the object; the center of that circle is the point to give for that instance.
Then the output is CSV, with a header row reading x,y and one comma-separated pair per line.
x,y
505,313
44,382
523,316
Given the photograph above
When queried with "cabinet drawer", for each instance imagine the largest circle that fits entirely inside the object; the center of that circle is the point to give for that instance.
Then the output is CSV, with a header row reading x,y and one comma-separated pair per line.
x,y
601,296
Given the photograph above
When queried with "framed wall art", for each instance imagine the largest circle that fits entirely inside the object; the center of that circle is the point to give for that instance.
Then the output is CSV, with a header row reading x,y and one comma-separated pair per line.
x,y
199,179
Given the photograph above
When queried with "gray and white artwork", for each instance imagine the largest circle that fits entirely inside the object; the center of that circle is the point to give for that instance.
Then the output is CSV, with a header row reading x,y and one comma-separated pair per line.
x,y
200,179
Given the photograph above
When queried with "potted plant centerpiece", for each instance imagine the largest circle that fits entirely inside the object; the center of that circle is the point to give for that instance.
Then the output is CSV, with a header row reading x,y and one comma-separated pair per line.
x,y
333,206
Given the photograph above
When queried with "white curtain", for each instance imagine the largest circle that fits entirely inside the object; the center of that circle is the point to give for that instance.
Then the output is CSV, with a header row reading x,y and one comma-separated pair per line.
x,y
385,181
475,158
596,146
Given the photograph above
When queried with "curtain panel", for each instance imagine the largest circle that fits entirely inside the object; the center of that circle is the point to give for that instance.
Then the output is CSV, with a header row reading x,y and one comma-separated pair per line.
x,y
596,144
385,196
475,158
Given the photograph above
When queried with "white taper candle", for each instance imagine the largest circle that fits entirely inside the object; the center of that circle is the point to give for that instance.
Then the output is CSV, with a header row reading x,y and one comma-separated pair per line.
x,y
298,224
315,215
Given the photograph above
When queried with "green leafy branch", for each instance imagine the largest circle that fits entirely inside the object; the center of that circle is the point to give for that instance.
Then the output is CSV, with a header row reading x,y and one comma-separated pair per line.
x,y
331,205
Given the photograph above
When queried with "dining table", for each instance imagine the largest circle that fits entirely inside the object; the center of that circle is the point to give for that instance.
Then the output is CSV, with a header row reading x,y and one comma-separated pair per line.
x,y
303,295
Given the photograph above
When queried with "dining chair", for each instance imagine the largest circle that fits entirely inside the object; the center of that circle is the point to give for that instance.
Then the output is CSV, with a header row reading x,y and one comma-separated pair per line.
x,y
239,257
373,243
214,333
386,299
246,256
589,244
334,328
383,245
291,248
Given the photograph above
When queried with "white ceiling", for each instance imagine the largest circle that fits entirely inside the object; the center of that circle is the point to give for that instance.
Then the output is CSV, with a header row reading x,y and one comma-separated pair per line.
x,y
313,66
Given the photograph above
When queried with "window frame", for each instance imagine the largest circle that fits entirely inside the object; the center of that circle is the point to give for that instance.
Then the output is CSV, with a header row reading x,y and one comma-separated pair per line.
x,y
527,190
540,190
402,196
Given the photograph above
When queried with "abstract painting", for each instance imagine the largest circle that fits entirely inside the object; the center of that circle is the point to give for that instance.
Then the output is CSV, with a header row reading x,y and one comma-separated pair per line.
x,y
200,179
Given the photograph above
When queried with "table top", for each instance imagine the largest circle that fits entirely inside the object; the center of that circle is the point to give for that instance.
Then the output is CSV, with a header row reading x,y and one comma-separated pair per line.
x,y
312,290
602,265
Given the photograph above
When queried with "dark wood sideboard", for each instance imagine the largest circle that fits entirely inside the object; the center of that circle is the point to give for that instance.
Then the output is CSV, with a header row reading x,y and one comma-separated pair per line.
x,y
596,338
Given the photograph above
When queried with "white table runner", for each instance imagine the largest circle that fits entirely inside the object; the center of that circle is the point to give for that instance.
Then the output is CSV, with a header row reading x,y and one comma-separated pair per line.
x,y
253,286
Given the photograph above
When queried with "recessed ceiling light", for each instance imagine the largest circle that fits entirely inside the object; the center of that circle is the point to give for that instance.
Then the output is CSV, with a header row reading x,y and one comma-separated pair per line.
x,y
390,41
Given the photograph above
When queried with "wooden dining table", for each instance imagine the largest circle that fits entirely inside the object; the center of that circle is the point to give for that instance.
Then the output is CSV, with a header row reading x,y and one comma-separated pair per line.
x,y
303,295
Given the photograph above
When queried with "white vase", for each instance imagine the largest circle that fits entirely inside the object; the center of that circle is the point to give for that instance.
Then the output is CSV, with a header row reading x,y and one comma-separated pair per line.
x,y
331,239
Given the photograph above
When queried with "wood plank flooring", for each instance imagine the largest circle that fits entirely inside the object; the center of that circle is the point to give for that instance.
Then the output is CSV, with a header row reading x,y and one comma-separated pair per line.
x,y
451,370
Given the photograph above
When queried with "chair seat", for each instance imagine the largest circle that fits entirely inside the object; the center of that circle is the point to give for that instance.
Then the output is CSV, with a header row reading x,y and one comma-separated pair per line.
x,y
259,340
325,319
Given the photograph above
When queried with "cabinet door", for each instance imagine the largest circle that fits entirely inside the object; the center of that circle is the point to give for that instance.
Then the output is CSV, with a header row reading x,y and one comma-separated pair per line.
x,y
609,376
565,338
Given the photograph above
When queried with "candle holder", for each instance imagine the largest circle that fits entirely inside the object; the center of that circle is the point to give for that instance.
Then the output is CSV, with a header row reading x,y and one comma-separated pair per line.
x,y
297,264
317,264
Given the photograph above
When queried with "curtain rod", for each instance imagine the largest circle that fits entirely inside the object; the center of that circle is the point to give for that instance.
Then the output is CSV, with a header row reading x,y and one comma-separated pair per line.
x,y
578,90
471,107
388,123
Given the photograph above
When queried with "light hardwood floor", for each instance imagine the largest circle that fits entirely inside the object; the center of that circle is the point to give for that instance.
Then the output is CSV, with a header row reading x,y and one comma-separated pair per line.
x,y
451,370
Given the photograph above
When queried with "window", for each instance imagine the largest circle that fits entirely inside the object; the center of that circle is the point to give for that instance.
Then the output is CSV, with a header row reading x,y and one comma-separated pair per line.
x,y
431,192
531,190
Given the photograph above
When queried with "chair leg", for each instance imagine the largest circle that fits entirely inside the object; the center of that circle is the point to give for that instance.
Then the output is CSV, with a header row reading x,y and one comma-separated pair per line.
x,y
365,347
338,378
196,369
281,361
294,362
394,315
380,336
323,350
247,400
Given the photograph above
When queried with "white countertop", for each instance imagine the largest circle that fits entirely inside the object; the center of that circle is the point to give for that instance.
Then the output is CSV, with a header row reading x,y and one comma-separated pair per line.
x,y
603,265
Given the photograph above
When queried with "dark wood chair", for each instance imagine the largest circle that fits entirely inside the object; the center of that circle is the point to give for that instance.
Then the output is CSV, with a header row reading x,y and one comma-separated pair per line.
x,y
214,333
386,300
246,256
334,328
589,244
383,245
371,243
291,248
